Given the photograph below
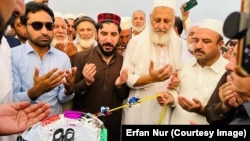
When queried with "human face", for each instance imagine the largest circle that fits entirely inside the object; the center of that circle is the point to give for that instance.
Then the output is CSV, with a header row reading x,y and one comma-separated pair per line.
x,y
71,30
39,38
162,19
108,37
85,30
20,30
7,9
190,37
138,21
207,46
125,37
60,29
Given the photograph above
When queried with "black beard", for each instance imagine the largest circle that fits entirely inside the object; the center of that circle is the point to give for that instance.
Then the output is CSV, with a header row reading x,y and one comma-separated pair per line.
x,y
105,53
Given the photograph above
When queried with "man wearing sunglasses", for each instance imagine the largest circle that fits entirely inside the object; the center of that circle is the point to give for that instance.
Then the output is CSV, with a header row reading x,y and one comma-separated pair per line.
x,y
41,72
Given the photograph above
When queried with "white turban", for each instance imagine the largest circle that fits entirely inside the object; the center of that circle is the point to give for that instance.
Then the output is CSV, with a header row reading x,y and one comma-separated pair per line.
x,y
213,25
166,3
126,23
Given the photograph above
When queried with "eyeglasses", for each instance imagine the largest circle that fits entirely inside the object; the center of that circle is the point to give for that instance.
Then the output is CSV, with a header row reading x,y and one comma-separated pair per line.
x,y
39,25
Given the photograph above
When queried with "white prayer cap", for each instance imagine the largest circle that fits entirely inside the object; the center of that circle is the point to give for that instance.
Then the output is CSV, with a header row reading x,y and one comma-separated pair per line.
x,y
58,14
213,25
167,3
126,23
69,16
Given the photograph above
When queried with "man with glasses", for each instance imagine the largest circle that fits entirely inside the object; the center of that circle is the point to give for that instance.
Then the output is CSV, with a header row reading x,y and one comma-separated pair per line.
x,y
41,72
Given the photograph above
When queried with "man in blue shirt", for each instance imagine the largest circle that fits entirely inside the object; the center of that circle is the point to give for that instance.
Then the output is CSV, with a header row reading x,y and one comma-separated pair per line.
x,y
41,72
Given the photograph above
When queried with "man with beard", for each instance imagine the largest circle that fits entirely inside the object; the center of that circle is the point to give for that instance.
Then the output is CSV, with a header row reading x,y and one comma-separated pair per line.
x,y
125,35
151,58
191,30
199,75
138,22
14,117
85,33
99,79
19,28
60,38
41,72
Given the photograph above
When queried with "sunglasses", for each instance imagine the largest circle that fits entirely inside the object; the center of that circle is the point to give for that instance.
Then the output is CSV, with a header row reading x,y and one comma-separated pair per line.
x,y
39,25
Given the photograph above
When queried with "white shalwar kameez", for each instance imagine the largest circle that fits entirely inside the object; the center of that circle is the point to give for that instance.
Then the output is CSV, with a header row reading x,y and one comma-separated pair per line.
x,y
140,51
196,82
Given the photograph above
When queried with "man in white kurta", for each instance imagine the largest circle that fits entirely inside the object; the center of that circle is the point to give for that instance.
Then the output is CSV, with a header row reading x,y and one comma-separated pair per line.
x,y
199,75
143,49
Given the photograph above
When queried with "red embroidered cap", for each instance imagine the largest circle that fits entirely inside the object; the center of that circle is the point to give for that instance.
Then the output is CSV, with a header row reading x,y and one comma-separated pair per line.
x,y
108,17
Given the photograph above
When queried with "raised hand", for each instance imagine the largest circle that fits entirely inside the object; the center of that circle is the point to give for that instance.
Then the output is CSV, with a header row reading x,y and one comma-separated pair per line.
x,y
122,79
161,74
45,83
71,49
191,106
89,72
165,98
174,81
70,80
17,117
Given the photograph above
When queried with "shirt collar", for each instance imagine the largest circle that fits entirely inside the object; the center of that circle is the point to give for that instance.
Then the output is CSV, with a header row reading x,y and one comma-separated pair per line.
x,y
215,67
29,49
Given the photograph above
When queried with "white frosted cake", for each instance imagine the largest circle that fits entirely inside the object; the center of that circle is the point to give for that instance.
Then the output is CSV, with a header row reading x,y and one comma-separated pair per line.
x,y
70,126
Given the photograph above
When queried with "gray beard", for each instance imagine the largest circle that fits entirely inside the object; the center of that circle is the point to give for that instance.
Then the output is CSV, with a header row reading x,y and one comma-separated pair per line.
x,y
86,43
138,29
159,39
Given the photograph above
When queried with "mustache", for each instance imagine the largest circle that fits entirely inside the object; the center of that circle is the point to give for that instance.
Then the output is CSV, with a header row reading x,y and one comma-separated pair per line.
x,y
160,30
199,51
108,44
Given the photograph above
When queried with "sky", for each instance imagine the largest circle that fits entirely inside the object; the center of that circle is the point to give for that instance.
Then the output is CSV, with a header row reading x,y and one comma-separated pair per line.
x,y
217,9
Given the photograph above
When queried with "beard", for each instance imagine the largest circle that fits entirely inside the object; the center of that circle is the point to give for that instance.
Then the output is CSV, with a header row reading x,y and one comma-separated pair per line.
x,y
39,43
138,29
107,53
159,39
86,43
55,41
21,36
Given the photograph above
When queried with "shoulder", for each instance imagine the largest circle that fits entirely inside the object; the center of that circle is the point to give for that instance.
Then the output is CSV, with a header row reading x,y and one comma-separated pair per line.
x,y
85,52
18,50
